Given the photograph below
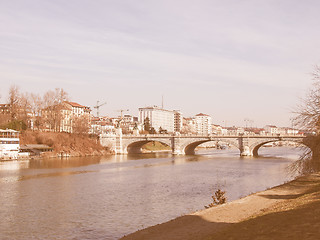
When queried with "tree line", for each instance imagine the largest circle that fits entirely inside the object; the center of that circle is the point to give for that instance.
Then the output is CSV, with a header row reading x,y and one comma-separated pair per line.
x,y
24,110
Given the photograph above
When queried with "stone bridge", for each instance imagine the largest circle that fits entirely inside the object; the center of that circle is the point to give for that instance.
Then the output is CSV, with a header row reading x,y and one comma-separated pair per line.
x,y
248,145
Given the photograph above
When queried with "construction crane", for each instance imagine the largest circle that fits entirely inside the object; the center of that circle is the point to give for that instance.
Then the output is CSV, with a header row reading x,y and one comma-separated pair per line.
x,y
98,106
121,111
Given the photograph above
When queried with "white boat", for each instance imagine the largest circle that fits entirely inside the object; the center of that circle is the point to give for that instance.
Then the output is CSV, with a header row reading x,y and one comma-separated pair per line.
x,y
268,145
9,144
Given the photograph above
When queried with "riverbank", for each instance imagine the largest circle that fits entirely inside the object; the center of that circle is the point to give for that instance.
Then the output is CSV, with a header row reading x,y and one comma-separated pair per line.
x,y
65,144
289,211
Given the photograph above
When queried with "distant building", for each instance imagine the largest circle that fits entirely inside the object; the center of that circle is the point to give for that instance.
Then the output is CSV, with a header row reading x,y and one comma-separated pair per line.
x,y
178,121
101,125
160,118
71,113
203,124
219,130
66,116
235,130
129,123
288,131
271,129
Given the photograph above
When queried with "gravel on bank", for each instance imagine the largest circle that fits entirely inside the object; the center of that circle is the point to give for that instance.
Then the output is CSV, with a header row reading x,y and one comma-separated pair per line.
x,y
289,211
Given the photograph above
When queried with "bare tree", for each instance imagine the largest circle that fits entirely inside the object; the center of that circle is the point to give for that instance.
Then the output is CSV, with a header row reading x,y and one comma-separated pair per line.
x,y
14,102
53,106
308,118
80,125
25,108
308,113
36,105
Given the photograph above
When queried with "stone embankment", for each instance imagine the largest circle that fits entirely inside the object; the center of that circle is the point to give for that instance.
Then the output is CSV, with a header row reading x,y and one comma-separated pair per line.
x,y
290,211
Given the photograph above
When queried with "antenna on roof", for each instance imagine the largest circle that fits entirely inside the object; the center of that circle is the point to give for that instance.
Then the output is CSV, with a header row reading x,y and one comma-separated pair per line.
x,y
162,102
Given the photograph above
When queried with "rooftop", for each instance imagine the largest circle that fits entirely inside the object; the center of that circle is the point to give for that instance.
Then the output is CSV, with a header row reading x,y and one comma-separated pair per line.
x,y
8,130
202,114
74,104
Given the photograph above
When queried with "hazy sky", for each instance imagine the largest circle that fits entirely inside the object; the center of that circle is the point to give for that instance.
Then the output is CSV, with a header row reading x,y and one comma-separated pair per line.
x,y
230,59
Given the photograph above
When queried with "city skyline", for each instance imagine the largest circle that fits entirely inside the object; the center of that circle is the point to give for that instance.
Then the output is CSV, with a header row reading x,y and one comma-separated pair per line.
x,y
234,60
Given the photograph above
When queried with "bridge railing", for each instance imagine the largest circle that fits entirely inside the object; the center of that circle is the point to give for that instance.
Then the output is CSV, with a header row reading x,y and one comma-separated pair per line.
x,y
213,135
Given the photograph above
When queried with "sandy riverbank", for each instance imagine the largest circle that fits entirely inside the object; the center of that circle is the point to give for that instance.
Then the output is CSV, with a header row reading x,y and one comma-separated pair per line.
x,y
289,211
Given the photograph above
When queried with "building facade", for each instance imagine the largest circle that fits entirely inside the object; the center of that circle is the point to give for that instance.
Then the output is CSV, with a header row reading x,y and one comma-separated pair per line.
x,y
66,117
271,129
74,115
160,118
178,121
203,124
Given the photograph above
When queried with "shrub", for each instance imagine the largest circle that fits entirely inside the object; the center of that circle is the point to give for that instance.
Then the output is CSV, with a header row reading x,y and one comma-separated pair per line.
x,y
218,199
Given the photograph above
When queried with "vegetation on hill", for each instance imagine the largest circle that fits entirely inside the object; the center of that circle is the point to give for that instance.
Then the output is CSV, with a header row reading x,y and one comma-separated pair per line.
x,y
24,110
72,144
155,146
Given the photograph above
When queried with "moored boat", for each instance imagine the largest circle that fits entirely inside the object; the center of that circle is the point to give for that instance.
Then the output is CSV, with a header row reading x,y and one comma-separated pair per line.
x,y
9,144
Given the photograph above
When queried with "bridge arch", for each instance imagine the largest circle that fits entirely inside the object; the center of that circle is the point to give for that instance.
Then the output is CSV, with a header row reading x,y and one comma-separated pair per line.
x,y
136,146
189,148
255,148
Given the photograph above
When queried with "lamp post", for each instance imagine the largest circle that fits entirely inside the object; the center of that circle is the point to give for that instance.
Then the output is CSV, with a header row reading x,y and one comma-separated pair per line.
x,y
246,120
292,124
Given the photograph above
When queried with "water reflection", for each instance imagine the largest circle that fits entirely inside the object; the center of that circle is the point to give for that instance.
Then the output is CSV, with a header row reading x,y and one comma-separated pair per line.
x,y
107,197
63,162
13,165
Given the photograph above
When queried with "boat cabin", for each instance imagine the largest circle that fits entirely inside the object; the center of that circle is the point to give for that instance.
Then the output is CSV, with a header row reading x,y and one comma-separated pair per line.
x,y
9,144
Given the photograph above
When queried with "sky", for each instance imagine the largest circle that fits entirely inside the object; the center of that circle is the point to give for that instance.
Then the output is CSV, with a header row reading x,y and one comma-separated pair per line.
x,y
233,59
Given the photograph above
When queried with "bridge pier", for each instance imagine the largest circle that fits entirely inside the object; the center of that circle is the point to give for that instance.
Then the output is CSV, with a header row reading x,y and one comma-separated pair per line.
x,y
244,148
176,146
246,152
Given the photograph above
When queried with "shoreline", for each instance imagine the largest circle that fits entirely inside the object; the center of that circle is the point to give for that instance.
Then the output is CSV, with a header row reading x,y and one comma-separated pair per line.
x,y
245,216
56,156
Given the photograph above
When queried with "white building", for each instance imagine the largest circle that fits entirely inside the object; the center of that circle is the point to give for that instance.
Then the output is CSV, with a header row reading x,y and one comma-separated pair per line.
x,y
288,131
271,129
128,118
178,121
9,144
72,111
161,118
203,124
219,130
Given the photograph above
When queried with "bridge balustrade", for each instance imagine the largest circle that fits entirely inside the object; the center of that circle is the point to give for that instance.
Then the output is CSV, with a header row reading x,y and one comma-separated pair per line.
x,y
248,144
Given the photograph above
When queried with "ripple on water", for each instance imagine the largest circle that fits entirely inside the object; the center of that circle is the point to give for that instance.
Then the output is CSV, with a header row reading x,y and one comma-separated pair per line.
x,y
110,197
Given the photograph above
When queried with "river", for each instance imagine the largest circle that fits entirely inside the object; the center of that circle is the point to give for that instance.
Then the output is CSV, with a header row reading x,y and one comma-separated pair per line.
x,y
108,197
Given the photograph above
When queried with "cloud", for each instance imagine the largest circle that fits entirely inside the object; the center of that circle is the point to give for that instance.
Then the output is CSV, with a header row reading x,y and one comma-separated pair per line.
x,y
184,48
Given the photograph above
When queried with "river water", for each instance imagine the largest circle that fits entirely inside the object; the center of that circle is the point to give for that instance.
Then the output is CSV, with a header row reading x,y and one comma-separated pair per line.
x,y
108,197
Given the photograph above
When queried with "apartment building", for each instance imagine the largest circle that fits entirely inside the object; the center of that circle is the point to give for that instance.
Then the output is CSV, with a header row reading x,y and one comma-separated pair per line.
x,y
72,114
271,129
160,118
203,124
66,116
178,121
